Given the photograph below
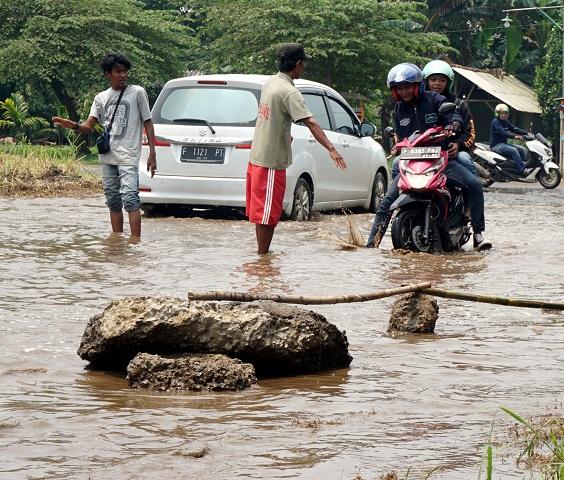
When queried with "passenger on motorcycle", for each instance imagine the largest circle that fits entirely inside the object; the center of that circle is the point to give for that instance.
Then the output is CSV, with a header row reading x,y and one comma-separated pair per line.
x,y
419,110
500,130
439,77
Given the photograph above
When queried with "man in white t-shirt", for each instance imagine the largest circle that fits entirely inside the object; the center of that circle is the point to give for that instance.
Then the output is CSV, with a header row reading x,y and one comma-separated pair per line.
x,y
120,166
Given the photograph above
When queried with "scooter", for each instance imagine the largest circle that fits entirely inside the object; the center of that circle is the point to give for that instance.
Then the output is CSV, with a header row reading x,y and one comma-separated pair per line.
x,y
427,216
502,169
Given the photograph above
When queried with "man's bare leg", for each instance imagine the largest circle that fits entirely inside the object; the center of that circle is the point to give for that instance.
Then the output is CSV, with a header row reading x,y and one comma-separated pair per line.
x,y
116,219
264,237
135,223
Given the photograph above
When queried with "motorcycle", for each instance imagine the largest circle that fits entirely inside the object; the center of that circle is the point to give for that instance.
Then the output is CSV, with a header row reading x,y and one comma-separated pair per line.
x,y
427,216
502,169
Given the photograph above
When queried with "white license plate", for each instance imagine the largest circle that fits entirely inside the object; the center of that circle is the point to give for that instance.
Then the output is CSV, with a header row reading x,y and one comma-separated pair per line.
x,y
422,153
202,154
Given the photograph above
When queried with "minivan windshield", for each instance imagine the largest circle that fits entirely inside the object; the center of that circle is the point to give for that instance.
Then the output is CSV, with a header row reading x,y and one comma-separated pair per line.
x,y
216,105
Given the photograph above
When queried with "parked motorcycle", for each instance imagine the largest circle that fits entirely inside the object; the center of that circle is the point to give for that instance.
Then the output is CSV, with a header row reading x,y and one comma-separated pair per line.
x,y
502,169
427,216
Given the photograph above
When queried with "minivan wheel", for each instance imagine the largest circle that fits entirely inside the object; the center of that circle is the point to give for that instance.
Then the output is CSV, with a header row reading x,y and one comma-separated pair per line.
x,y
378,191
303,199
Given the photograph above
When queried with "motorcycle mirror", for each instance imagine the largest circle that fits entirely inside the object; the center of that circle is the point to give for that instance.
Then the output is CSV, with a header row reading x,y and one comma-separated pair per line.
x,y
388,138
447,108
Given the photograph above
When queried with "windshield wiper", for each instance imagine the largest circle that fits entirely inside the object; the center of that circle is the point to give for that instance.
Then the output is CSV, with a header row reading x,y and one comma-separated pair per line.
x,y
201,121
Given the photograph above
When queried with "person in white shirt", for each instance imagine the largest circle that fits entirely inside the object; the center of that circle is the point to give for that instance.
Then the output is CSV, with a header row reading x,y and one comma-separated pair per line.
x,y
120,166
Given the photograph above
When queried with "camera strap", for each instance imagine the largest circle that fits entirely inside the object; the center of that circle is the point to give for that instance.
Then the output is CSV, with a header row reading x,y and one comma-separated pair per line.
x,y
115,110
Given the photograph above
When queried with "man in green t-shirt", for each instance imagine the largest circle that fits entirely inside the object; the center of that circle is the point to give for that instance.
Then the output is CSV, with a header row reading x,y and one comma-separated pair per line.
x,y
281,103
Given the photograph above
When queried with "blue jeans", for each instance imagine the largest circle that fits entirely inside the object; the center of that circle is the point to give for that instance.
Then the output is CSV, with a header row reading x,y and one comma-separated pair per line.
x,y
515,153
465,160
457,176
121,187
462,157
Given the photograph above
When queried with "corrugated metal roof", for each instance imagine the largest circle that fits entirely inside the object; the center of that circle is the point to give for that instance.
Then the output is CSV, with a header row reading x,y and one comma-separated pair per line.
x,y
510,90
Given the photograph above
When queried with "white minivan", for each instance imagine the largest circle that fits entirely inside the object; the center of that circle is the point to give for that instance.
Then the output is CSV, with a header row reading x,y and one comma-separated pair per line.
x,y
204,128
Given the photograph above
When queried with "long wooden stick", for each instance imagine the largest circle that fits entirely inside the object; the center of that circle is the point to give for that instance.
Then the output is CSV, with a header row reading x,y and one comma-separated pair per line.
x,y
365,297
509,302
301,300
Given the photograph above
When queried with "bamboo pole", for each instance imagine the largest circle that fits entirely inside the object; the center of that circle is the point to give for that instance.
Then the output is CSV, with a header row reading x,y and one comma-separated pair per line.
x,y
302,300
365,297
509,302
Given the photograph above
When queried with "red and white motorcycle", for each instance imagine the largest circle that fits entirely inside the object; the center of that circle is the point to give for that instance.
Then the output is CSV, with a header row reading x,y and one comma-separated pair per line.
x,y
427,216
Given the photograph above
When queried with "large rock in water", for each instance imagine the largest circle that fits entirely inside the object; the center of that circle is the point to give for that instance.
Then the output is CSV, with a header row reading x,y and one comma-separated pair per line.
x,y
277,339
189,372
414,313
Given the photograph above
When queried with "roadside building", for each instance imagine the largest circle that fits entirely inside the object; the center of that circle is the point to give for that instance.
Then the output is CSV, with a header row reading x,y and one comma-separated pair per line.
x,y
485,89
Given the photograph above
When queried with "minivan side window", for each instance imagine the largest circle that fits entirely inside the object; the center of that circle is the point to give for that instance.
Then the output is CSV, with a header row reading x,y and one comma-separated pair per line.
x,y
316,106
344,122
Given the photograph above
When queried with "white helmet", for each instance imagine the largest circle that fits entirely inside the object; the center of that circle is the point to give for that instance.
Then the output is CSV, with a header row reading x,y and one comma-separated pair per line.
x,y
501,108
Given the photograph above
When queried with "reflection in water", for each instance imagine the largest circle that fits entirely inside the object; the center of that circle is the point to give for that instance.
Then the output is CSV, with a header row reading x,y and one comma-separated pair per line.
x,y
405,401
265,275
437,269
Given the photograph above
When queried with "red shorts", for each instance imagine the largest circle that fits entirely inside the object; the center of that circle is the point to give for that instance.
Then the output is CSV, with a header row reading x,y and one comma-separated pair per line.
x,y
265,194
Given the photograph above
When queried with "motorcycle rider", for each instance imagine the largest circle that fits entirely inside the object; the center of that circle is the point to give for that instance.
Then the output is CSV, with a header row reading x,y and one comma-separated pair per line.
x,y
418,110
500,130
439,77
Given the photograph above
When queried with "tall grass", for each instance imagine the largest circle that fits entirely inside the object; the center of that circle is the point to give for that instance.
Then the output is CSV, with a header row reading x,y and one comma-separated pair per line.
x,y
53,153
43,170
58,154
544,444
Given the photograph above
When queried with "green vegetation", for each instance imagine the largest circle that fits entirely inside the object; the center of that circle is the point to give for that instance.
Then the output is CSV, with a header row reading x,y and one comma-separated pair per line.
x,y
543,443
49,51
352,43
42,171
548,82
54,48
16,120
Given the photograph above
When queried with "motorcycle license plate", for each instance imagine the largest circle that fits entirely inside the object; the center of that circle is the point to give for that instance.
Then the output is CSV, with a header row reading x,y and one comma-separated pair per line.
x,y
421,153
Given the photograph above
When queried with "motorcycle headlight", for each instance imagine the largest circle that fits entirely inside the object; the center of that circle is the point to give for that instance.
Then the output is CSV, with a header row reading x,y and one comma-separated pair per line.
x,y
417,180
548,152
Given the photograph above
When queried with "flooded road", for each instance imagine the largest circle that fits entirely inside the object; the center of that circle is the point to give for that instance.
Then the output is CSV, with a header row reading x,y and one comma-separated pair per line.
x,y
418,402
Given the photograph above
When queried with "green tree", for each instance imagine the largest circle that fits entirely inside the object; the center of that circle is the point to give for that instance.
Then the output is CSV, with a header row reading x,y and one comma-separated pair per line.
x,y
353,43
60,44
548,83
16,120
475,29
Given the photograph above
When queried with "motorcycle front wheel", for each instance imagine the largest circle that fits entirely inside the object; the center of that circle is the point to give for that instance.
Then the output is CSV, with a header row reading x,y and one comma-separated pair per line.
x,y
551,179
408,229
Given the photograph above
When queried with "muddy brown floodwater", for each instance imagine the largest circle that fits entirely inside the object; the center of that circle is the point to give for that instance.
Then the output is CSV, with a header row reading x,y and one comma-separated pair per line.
x,y
416,402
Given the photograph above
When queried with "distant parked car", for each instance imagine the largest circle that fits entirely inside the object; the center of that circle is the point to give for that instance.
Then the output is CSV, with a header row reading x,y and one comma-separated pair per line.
x,y
204,127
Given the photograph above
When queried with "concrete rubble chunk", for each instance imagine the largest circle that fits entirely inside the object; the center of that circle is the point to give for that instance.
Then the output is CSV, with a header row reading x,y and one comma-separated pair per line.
x,y
414,313
277,339
199,372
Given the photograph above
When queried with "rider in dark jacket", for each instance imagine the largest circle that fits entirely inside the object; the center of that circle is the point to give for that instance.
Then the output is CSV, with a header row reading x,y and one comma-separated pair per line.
x,y
419,110
439,77
420,115
500,130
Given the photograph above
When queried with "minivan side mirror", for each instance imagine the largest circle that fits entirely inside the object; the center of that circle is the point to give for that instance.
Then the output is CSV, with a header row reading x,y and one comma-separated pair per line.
x,y
447,108
367,129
